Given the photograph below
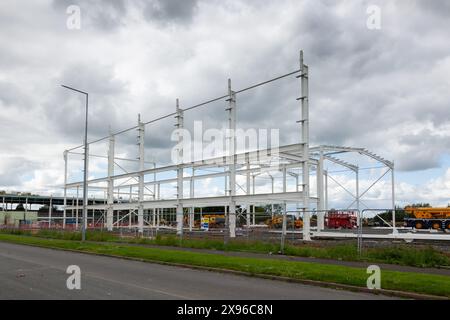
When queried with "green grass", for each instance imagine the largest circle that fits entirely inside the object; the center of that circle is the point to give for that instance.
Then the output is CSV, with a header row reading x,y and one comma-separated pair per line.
x,y
401,255
403,281
409,256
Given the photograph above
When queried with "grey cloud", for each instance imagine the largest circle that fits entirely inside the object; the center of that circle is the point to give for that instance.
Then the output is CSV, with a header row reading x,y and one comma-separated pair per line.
x,y
15,169
110,15
12,96
362,83
422,150
170,11
106,15
107,105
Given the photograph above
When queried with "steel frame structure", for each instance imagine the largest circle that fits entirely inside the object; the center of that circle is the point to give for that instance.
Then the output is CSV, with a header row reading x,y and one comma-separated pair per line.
x,y
328,153
251,164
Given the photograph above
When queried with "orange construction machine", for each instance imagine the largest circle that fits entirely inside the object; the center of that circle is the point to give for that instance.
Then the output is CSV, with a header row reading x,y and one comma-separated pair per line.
x,y
428,218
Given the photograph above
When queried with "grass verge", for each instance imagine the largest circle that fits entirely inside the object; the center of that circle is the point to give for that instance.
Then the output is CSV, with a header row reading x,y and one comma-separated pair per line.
x,y
390,280
400,255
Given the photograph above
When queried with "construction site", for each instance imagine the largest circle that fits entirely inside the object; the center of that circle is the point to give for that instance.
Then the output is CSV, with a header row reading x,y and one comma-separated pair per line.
x,y
225,157
292,204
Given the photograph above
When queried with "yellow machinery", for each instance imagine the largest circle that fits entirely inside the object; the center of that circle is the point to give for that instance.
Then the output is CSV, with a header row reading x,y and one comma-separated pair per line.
x,y
428,218
215,220
277,222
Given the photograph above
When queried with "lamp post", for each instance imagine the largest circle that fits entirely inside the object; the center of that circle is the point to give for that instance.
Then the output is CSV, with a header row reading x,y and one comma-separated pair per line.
x,y
86,155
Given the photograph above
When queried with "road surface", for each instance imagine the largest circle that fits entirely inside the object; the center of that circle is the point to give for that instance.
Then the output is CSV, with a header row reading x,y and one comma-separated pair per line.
x,y
38,273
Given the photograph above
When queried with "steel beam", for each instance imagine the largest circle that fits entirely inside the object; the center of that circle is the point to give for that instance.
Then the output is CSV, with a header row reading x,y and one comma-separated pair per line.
x,y
141,135
320,194
65,188
232,156
179,212
304,74
110,193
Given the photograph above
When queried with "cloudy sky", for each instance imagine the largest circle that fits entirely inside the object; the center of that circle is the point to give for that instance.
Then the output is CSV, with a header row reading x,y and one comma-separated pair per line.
x,y
384,89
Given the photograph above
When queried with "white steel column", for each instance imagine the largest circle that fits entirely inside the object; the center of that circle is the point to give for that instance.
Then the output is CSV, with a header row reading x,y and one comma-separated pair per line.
x,y
158,213
273,189
85,210
320,195
130,212
65,189
180,171
253,211
154,196
141,135
191,195
232,151
325,172
357,196
110,193
305,140
50,213
77,208
247,189
394,228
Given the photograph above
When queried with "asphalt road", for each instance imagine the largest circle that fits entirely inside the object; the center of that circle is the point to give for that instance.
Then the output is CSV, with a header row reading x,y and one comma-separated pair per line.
x,y
38,273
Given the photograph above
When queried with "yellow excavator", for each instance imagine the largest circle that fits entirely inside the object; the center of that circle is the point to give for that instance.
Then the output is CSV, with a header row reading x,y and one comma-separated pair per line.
x,y
428,218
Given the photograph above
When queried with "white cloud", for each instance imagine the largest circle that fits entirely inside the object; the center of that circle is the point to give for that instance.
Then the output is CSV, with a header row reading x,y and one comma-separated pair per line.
x,y
385,90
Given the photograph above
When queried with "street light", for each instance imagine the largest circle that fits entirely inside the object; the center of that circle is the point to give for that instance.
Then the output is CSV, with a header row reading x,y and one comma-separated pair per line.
x,y
83,226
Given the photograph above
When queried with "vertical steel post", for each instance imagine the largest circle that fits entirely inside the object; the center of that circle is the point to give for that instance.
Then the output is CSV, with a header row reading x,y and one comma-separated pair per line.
x,y
77,208
394,228
85,174
283,228
154,196
65,189
273,189
158,213
232,158
179,211
360,222
320,195
247,191
110,193
141,176
325,172
130,199
357,195
25,211
305,141
253,183
85,193
50,213
191,195
253,211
